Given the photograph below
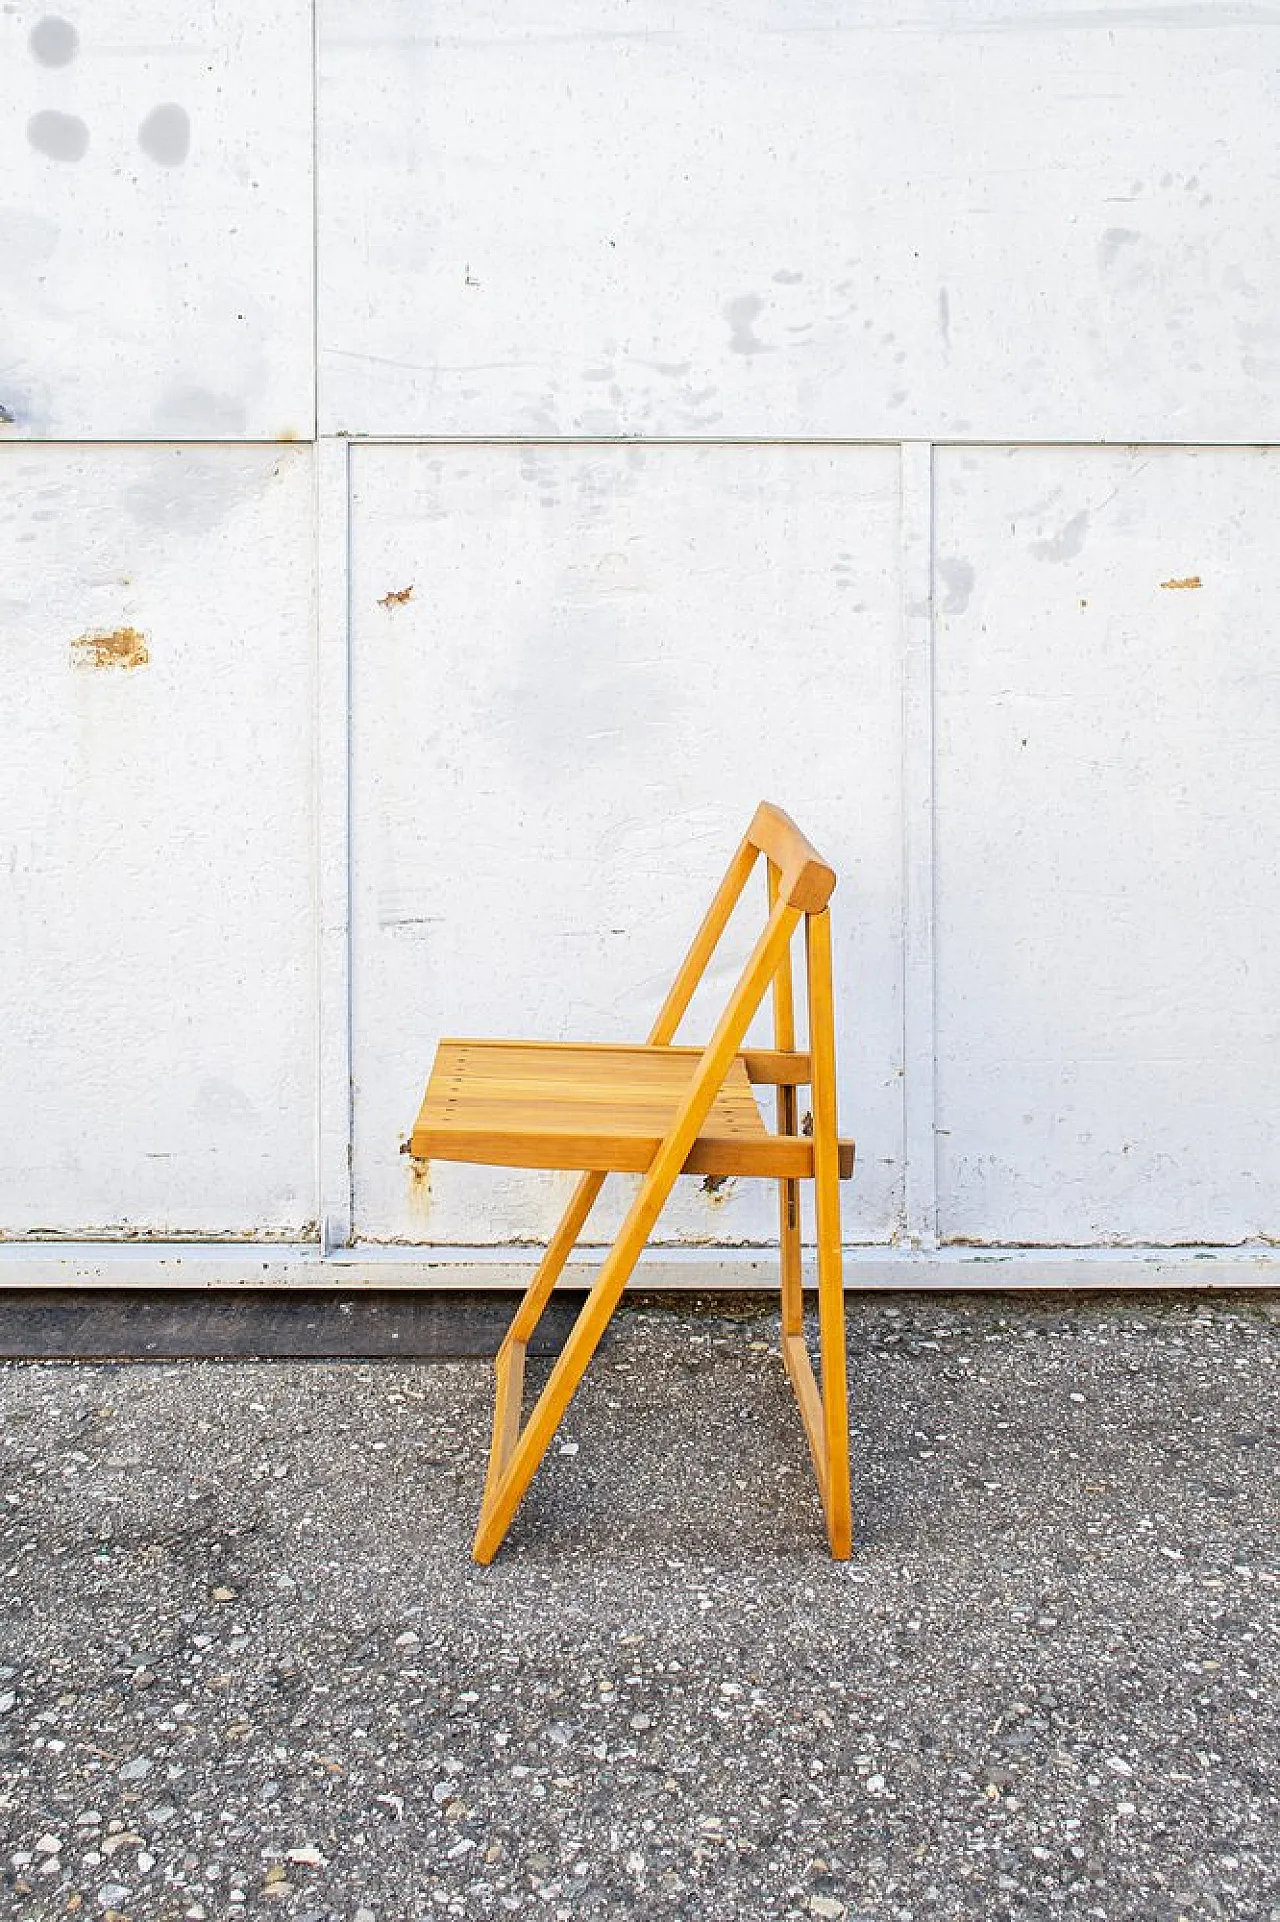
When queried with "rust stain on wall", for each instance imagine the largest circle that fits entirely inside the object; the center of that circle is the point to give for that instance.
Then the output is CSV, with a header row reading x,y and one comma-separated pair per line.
x,y
110,647
1189,580
396,596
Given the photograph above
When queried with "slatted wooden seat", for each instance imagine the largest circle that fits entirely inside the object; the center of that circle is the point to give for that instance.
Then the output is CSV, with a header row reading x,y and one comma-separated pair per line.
x,y
661,1111
544,1104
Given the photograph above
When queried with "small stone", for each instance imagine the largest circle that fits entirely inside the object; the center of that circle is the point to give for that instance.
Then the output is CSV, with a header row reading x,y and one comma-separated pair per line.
x,y
408,1640
828,1907
222,1594
112,1894
48,1845
137,1769
145,1862
641,1721
309,1857
443,1792
568,1448
7,1701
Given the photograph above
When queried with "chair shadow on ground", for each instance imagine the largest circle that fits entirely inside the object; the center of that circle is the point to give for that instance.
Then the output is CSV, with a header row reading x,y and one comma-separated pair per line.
x,y
696,1448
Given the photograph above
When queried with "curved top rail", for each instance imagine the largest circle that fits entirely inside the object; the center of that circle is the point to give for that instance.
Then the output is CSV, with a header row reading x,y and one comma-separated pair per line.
x,y
805,881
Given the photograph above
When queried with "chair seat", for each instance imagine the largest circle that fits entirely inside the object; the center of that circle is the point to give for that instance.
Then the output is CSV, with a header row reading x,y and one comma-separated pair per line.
x,y
538,1104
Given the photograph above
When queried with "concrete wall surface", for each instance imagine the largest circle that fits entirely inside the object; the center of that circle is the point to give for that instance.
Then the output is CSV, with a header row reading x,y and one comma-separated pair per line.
x,y
455,461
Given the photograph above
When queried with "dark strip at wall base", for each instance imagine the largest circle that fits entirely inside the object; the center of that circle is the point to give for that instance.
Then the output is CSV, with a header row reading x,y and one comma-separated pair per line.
x,y
92,1324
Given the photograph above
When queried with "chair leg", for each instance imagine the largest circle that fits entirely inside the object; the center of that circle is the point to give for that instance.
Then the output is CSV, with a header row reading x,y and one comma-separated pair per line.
x,y
525,1448
826,1171
509,1362
789,1255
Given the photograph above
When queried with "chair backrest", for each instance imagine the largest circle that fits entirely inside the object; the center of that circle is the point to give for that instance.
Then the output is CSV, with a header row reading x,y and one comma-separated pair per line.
x,y
800,884
805,880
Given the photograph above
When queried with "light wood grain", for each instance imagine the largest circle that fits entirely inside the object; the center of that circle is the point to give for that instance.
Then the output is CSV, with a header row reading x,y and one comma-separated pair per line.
x,y
661,1111
784,1035
835,1397
521,1104
805,879
567,1372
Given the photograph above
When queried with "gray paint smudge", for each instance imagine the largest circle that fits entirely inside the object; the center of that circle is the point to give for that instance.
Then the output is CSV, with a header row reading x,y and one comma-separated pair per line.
x,y
53,42
26,239
957,578
944,316
1111,243
1064,546
787,278
59,136
165,134
199,411
742,315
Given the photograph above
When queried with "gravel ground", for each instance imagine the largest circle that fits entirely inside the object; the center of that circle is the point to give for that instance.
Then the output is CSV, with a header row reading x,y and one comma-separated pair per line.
x,y
247,1667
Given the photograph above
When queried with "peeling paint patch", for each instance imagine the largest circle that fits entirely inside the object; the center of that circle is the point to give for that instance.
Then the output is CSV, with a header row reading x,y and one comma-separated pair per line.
x,y
718,1188
110,647
396,596
1187,580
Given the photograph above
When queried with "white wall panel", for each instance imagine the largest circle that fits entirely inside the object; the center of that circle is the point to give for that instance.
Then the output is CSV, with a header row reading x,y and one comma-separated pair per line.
x,y
602,659
782,218
157,965
156,221
1108,834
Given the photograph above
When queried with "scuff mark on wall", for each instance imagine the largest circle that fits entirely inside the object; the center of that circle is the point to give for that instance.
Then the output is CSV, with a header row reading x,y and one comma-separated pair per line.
x,y
1187,580
111,647
396,596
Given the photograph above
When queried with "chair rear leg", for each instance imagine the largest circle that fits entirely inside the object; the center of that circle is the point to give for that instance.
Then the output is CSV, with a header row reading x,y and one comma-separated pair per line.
x,y
826,1183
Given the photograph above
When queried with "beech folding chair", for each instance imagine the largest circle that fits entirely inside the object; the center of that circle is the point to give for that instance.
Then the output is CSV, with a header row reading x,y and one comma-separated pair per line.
x,y
662,1111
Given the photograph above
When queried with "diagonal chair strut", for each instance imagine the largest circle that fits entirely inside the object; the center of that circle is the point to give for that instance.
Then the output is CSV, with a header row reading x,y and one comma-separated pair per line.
x,y
798,888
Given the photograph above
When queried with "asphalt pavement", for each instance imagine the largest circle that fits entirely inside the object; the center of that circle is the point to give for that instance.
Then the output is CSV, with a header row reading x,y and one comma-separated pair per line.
x,y
248,1668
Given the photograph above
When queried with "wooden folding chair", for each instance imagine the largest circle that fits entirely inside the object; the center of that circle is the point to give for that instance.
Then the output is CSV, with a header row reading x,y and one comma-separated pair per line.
x,y
662,1111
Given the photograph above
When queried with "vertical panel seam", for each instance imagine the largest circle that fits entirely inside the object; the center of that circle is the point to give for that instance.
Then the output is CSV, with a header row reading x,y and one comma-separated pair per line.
x,y
333,843
315,220
919,1036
